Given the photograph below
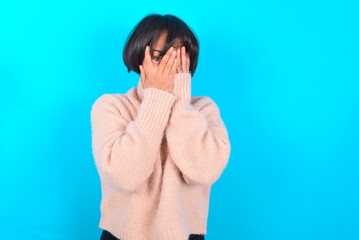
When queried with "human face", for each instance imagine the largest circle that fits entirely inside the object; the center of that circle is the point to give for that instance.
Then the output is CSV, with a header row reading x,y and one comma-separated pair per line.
x,y
156,59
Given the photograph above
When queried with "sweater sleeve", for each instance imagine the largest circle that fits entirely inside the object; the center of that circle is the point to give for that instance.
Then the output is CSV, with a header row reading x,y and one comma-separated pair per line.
x,y
197,137
125,150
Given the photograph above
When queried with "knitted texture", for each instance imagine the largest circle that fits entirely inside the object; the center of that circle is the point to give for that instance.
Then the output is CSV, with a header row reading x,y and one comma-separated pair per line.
x,y
157,154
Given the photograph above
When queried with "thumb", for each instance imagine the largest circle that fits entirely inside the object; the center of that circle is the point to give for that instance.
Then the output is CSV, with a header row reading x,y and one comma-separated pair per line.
x,y
143,75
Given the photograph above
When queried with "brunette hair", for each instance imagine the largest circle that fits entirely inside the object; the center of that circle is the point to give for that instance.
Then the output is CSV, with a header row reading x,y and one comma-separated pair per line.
x,y
149,29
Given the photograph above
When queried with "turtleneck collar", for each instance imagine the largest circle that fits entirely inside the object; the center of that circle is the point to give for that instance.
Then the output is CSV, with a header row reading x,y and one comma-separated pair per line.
x,y
181,86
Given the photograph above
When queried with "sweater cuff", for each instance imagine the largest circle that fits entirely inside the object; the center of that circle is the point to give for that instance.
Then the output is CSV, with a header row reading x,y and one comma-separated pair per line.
x,y
182,90
154,110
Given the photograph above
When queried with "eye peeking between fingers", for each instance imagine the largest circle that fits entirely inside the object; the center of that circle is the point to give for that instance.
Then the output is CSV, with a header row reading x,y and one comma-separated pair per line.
x,y
157,59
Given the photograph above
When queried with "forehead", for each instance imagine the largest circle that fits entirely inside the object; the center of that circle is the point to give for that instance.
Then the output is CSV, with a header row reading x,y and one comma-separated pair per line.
x,y
161,42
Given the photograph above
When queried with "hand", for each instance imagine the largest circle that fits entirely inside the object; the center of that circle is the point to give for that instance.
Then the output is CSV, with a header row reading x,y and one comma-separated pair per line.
x,y
161,77
183,64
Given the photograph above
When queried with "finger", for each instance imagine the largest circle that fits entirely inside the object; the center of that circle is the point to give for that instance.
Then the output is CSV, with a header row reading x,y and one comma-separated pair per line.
x,y
147,63
183,58
178,57
165,59
170,64
187,62
179,63
173,69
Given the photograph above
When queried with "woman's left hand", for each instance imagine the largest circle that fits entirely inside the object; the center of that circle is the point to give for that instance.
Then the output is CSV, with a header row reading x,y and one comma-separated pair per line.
x,y
184,60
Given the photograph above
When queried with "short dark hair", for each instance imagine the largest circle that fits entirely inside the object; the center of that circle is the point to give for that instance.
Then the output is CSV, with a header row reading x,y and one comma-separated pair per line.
x,y
147,32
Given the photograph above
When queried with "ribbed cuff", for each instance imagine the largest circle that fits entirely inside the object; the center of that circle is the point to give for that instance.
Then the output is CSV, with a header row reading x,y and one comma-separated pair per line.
x,y
182,90
154,111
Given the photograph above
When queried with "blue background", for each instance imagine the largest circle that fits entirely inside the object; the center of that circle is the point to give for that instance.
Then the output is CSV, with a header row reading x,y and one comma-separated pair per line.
x,y
284,74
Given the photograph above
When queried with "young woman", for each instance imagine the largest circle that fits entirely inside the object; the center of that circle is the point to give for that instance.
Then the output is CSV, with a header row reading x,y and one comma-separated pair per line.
x,y
158,149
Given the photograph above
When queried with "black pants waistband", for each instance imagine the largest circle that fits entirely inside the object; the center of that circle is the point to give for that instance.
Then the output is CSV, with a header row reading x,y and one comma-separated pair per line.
x,y
106,235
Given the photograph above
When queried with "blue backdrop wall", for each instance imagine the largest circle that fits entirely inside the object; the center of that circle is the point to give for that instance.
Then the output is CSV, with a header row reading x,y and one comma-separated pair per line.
x,y
284,74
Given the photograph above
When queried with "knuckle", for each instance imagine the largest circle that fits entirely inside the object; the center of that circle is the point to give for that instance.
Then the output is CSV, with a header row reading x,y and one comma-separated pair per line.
x,y
169,52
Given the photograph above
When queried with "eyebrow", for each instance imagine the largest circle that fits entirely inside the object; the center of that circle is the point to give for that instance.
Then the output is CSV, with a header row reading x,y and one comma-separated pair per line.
x,y
157,51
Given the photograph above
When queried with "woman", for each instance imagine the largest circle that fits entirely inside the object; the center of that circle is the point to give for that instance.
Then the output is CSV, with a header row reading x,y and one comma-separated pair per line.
x,y
158,149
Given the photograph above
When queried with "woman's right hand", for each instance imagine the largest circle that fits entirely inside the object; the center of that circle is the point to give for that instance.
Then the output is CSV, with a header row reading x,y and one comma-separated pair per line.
x,y
161,77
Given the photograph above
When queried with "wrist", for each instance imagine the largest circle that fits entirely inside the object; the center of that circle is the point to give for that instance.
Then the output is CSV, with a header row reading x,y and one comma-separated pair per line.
x,y
182,89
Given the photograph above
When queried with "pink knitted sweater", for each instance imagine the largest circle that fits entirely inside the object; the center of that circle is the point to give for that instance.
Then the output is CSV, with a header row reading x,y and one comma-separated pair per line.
x,y
157,155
